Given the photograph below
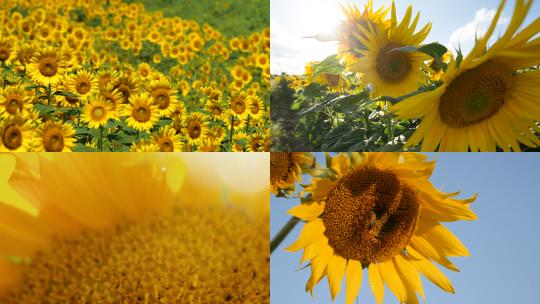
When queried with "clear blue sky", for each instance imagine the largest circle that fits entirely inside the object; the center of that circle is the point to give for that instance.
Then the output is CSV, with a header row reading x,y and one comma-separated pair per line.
x,y
455,20
504,242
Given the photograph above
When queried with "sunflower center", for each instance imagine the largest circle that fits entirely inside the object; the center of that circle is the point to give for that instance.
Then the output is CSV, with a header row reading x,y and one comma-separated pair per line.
x,y
48,66
4,53
166,145
393,66
53,141
194,129
281,164
13,104
162,98
12,138
475,95
141,113
98,112
183,256
239,107
255,108
370,215
83,87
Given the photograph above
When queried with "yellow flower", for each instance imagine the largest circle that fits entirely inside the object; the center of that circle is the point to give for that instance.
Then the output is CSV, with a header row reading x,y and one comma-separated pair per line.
x,y
239,104
14,101
391,72
144,226
97,112
141,114
489,100
195,127
6,48
84,84
47,66
286,169
163,96
167,140
381,213
16,134
55,137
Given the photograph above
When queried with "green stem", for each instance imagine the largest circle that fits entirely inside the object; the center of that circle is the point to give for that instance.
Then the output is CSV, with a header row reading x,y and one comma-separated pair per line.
x,y
285,230
100,143
49,95
231,134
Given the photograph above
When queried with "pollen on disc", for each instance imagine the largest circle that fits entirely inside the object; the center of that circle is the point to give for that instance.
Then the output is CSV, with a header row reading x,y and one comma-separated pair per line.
x,y
193,255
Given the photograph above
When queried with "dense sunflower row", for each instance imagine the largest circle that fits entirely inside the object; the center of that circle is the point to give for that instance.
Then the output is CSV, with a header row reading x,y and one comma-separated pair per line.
x,y
110,76
485,101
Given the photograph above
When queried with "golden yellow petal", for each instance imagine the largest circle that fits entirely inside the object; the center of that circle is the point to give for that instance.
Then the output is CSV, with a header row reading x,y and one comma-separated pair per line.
x,y
335,272
307,212
376,282
353,280
391,278
433,273
311,232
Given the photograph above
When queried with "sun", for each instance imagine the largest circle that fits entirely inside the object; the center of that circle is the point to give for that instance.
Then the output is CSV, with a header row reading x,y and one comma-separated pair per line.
x,y
322,16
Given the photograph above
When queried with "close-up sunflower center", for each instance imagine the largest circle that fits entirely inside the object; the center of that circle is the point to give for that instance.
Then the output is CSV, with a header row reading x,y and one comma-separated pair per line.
x,y
370,215
12,137
141,113
83,86
475,95
4,53
162,98
166,145
98,112
393,66
14,104
53,140
48,66
280,166
146,262
194,129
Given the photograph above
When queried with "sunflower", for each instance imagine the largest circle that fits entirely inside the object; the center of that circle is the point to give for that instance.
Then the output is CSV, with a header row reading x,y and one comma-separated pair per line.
x,y
112,95
141,114
379,211
126,85
84,83
152,234
392,72
7,48
348,32
14,101
167,140
107,77
195,127
144,146
55,137
164,97
97,112
239,104
16,135
489,100
47,66
66,101
286,169
208,144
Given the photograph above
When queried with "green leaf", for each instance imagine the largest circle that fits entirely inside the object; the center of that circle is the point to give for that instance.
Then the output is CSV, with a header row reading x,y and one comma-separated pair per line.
x,y
44,109
348,100
330,65
65,93
83,148
435,50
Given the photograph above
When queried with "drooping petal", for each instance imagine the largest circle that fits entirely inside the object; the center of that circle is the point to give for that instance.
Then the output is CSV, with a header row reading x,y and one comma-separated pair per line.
x,y
335,272
376,282
353,278
311,231
307,212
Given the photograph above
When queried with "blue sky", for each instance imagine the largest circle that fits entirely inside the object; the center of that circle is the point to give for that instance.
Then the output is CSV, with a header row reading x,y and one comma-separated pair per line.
x,y
504,241
454,23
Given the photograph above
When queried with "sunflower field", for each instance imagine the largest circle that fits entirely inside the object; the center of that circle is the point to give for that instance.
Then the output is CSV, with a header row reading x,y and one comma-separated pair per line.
x,y
107,75
388,89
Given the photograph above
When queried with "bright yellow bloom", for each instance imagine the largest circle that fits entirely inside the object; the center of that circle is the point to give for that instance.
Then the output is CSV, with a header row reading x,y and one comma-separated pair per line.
x,y
286,169
55,137
489,100
381,213
141,114
97,112
47,66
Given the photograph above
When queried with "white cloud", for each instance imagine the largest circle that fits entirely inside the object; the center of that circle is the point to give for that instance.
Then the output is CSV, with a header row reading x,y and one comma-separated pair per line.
x,y
465,35
289,51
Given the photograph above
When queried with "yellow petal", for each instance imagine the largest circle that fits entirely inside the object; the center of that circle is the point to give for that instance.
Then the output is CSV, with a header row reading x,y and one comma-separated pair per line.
x,y
307,212
335,272
409,276
340,164
433,273
445,241
392,279
311,231
420,245
376,282
318,267
353,280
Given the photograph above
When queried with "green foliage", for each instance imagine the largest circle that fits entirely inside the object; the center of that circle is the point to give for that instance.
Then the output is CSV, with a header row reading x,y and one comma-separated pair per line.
x,y
330,65
230,17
